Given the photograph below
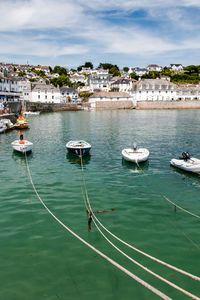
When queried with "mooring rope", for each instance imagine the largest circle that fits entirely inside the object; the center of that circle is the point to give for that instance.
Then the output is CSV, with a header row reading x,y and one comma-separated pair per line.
x,y
123,253
148,270
130,246
130,274
173,203
134,261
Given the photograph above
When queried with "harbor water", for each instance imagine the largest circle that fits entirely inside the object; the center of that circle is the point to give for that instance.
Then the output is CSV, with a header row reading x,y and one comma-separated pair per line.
x,y
40,259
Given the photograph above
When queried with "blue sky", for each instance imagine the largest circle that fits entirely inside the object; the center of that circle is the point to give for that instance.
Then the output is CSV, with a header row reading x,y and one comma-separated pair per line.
x,y
127,33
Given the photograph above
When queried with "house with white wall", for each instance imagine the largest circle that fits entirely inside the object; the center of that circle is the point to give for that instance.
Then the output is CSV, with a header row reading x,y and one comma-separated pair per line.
x,y
154,67
9,88
99,81
109,97
68,94
154,89
176,67
188,92
45,93
122,85
24,88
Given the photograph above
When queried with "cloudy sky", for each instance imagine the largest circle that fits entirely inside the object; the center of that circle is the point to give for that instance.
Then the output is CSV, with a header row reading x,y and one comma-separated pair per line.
x,y
123,32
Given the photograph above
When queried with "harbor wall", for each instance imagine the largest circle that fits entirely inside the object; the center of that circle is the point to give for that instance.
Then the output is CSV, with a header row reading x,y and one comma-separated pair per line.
x,y
51,107
14,107
114,104
181,104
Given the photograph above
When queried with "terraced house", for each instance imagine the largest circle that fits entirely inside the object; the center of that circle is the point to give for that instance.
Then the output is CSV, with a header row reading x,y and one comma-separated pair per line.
x,y
9,88
154,89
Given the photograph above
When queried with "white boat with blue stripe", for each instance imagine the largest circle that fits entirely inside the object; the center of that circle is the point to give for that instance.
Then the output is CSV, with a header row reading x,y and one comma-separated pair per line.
x,y
78,147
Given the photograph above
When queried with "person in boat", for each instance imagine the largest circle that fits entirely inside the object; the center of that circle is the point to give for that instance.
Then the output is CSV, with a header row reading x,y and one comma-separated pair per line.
x,y
134,147
90,221
21,139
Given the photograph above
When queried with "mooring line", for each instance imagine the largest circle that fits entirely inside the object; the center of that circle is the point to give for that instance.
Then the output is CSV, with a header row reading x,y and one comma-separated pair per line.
x,y
131,259
130,274
173,203
148,270
132,247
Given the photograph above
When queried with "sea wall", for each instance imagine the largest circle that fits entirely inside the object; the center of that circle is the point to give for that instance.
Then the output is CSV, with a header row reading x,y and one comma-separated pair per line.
x,y
51,107
181,104
14,107
114,104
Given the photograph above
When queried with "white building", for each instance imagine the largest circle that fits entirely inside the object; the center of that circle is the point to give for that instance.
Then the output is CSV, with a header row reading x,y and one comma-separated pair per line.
x,y
154,89
154,67
9,88
24,88
77,77
188,92
45,94
99,81
138,71
122,85
68,94
109,97
176,67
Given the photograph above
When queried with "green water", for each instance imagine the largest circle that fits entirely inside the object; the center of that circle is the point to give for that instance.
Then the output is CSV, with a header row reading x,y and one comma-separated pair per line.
x,y
41,260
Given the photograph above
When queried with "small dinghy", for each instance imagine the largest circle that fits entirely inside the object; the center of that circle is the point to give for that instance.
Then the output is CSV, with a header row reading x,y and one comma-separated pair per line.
x,y
78,147
21,123
187,163
2,128
22,145
31,113
6,124
135,155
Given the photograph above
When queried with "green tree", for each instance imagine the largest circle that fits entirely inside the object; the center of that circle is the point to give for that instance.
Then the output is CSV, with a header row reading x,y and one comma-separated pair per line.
x,y
59,70
88,64
85,95
125,69
21,73
134,76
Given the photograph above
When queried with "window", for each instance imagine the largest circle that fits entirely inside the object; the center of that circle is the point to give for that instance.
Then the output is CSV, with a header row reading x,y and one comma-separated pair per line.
x,y
52,97
38,96
45,96
38,90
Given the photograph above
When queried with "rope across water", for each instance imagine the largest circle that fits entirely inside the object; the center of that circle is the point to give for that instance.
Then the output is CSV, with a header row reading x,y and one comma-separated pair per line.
x,y
130,274
89,208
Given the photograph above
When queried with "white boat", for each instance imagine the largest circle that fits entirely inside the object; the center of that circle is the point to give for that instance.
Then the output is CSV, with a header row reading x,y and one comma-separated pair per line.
x,y
187,163
7,124
22,146
34,113
3,128
135,154
77,147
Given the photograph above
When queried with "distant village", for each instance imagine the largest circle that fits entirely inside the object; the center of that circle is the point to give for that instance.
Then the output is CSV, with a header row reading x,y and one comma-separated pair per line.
x,y
106,83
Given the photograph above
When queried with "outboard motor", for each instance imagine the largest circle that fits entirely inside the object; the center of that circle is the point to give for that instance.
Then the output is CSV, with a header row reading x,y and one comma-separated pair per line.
x,y
21,137
134,146
185,156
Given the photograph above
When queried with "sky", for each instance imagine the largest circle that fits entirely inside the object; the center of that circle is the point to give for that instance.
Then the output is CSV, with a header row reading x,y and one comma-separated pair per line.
x,y
128,33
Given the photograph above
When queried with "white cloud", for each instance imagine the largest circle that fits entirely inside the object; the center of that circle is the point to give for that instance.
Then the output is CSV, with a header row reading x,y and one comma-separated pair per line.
x,y
38,14
51,28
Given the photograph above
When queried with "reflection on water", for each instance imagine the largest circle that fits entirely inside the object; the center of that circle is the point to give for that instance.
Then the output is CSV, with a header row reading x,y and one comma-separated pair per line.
x,y
76,160
20,158
134,167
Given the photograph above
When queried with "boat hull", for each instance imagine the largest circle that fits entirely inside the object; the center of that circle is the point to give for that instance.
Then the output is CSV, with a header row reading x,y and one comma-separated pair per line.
x,y
140,155
191,165
21,126
23,148
2,129
78,147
